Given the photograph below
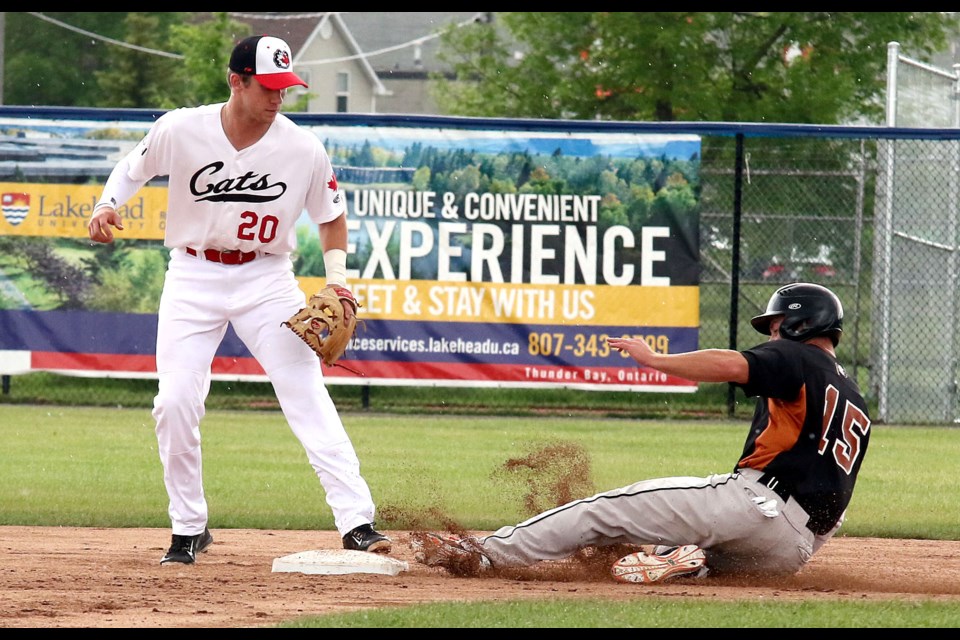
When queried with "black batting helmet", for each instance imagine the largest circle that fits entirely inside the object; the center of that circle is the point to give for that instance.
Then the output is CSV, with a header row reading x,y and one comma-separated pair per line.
x,y
808,310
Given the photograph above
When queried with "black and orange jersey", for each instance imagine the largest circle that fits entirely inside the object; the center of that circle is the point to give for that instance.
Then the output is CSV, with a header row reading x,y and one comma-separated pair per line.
x,y
810,429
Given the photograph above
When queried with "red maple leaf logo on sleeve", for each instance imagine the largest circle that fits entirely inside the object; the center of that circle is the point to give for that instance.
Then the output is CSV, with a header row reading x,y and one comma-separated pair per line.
x,y
333,182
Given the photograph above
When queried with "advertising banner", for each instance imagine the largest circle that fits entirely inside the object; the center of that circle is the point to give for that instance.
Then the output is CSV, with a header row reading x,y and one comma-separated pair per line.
x,y
480,257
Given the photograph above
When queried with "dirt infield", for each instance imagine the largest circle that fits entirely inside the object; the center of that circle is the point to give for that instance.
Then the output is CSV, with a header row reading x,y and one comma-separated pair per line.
x,y
87,577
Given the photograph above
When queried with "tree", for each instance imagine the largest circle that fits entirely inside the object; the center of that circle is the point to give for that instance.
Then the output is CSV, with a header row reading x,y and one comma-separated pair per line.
x,y
136,78
157,60
39,72
53,64
197,76
802,67
202,77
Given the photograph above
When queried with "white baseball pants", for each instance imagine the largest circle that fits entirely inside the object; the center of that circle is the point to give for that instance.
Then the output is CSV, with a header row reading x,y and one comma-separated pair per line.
x,y
199,299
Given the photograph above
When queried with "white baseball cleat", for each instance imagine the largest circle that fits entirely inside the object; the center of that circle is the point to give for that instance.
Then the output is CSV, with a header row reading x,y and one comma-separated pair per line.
x,y
647,568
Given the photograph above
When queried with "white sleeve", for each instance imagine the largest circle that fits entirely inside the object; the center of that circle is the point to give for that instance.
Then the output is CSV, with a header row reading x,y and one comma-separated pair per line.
x,y
120,187
324,201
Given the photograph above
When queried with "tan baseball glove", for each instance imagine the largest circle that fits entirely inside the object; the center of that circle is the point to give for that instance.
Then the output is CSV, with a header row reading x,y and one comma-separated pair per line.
x,y
326,324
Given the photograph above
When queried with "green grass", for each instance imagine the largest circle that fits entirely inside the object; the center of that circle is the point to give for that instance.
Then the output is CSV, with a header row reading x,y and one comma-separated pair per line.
x,y
35,291
647,613
99,467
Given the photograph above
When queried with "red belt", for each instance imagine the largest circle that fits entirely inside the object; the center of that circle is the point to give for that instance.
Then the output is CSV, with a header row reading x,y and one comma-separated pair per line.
x,y
224,257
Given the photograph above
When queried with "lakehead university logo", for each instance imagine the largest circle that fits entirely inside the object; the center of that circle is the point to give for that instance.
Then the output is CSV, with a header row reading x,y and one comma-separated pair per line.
x,y
16,206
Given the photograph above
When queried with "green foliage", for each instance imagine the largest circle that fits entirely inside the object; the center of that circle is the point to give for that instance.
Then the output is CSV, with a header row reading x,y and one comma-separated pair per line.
x,y
299,104
634,189
714,66
308,260
46,64
421,179
805,67
190,68
135,78
112,133
134,286
206,47
54,65
66,281
22,289
123,276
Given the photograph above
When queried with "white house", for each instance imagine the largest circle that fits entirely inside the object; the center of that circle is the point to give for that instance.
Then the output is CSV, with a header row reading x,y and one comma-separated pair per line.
x,y
363,62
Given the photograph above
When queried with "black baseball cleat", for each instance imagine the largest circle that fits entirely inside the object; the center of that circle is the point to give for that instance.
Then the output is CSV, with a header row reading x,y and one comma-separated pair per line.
x,y
184,549
366,538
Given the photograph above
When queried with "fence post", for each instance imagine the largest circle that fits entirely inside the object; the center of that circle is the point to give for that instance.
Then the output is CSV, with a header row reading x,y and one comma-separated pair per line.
x,y
951,413
735,265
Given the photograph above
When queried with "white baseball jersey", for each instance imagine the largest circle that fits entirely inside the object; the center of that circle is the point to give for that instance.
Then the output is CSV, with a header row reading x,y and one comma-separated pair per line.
x,y
221,198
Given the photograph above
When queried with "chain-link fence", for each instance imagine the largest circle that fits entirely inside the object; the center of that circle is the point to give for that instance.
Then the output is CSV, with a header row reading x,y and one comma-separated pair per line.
x,y
883,236
874,219
915,282
780,210
871,212
874,216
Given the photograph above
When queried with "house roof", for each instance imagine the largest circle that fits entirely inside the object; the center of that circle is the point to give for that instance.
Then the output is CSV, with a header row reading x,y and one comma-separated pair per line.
x,y
393,41
383,36
288,26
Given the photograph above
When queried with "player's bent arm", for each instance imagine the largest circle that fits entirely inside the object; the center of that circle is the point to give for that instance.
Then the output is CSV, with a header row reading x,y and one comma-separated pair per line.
x,y
333,234
333,238
118,189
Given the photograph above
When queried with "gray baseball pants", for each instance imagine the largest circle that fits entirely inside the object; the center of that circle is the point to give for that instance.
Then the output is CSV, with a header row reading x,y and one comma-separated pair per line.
x,y
740,524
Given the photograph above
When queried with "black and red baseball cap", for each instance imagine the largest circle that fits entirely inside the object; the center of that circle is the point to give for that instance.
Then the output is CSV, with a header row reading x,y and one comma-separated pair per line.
x,y
268,60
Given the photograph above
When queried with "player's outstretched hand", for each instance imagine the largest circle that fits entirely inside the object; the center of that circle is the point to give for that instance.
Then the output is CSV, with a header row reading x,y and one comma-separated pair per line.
x,y
636,348
99,226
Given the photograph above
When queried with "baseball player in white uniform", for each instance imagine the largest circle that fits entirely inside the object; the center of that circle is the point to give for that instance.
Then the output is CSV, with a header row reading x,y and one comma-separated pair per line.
x,y
240,175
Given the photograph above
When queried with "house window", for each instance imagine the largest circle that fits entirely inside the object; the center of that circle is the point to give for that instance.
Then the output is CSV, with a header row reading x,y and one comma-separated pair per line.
x,y
305,76
343,91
